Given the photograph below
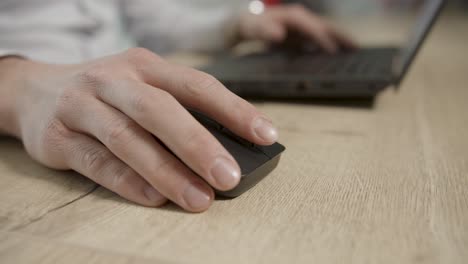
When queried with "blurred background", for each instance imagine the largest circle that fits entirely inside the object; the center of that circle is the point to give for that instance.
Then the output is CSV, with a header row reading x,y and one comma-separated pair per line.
x,y
346,7
391,21
349,7
382,14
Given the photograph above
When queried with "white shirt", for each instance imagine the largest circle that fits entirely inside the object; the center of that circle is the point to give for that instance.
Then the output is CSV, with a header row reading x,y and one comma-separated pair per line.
x,y
70,31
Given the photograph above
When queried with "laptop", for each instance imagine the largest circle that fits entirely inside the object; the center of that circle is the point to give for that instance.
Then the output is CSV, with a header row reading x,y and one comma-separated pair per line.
x,y
291,74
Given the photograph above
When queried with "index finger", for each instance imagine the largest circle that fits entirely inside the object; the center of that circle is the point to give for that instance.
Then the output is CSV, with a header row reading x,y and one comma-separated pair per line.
x,y
202,92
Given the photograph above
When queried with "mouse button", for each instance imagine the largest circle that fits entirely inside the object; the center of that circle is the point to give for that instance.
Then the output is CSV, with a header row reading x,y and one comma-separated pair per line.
x,y
204,120
272,150
252,179
238,139
248,159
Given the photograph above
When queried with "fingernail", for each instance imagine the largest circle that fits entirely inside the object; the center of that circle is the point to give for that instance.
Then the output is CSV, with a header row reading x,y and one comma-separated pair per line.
x,y
152,194
225,173
264,129
196,197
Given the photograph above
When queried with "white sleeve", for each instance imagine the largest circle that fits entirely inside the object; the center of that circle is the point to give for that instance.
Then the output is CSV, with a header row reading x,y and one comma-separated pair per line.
x,y
167,25
8,53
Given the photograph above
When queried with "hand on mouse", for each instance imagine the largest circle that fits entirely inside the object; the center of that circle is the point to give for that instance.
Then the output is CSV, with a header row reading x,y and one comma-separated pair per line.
x,y
111,119
278,23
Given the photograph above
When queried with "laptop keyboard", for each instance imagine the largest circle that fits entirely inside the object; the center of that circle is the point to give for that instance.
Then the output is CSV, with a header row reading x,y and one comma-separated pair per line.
x,y
361,62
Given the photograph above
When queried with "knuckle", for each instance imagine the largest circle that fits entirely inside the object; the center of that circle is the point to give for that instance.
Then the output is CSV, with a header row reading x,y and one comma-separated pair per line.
x,y
54,131
123,179
50,144
143,105
95,160
160,170
64,102
94,76
167,168
68,100
54,134
138,56
121,132
162,166
200,84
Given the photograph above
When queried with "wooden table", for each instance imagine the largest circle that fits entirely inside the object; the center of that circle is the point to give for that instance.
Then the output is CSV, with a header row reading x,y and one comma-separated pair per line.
x,y
386,184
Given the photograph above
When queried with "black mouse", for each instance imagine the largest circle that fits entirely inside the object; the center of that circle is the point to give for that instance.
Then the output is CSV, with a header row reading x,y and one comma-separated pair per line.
x,y
255,161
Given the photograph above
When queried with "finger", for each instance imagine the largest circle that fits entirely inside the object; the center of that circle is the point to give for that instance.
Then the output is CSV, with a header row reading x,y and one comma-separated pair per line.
x,y
270,31
303,21
138,149
93,160
343,39
159,113
200,91
203,92
265,28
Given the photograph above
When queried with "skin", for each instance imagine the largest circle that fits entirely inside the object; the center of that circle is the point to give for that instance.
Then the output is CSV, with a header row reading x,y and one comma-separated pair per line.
x,y
115,119
276,23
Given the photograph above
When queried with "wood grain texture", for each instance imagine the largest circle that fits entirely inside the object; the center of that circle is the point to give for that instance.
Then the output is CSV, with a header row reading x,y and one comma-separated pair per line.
x,y
28,191
18,248
387,184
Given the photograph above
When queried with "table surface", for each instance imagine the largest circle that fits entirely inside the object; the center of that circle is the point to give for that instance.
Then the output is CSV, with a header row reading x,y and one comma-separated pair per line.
x,y
385,184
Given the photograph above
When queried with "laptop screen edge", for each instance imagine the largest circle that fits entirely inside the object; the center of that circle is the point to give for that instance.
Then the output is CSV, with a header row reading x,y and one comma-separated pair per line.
x,y
406,56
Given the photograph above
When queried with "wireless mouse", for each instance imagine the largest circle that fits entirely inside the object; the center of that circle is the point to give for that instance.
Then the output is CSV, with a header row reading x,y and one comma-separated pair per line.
x,y
255,161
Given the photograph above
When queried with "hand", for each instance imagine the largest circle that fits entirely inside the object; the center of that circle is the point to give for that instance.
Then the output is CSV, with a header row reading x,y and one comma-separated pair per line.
x,y
276,23
111,120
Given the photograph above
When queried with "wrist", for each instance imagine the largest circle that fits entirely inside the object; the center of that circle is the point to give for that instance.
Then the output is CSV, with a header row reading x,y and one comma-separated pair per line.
x,y
12,71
